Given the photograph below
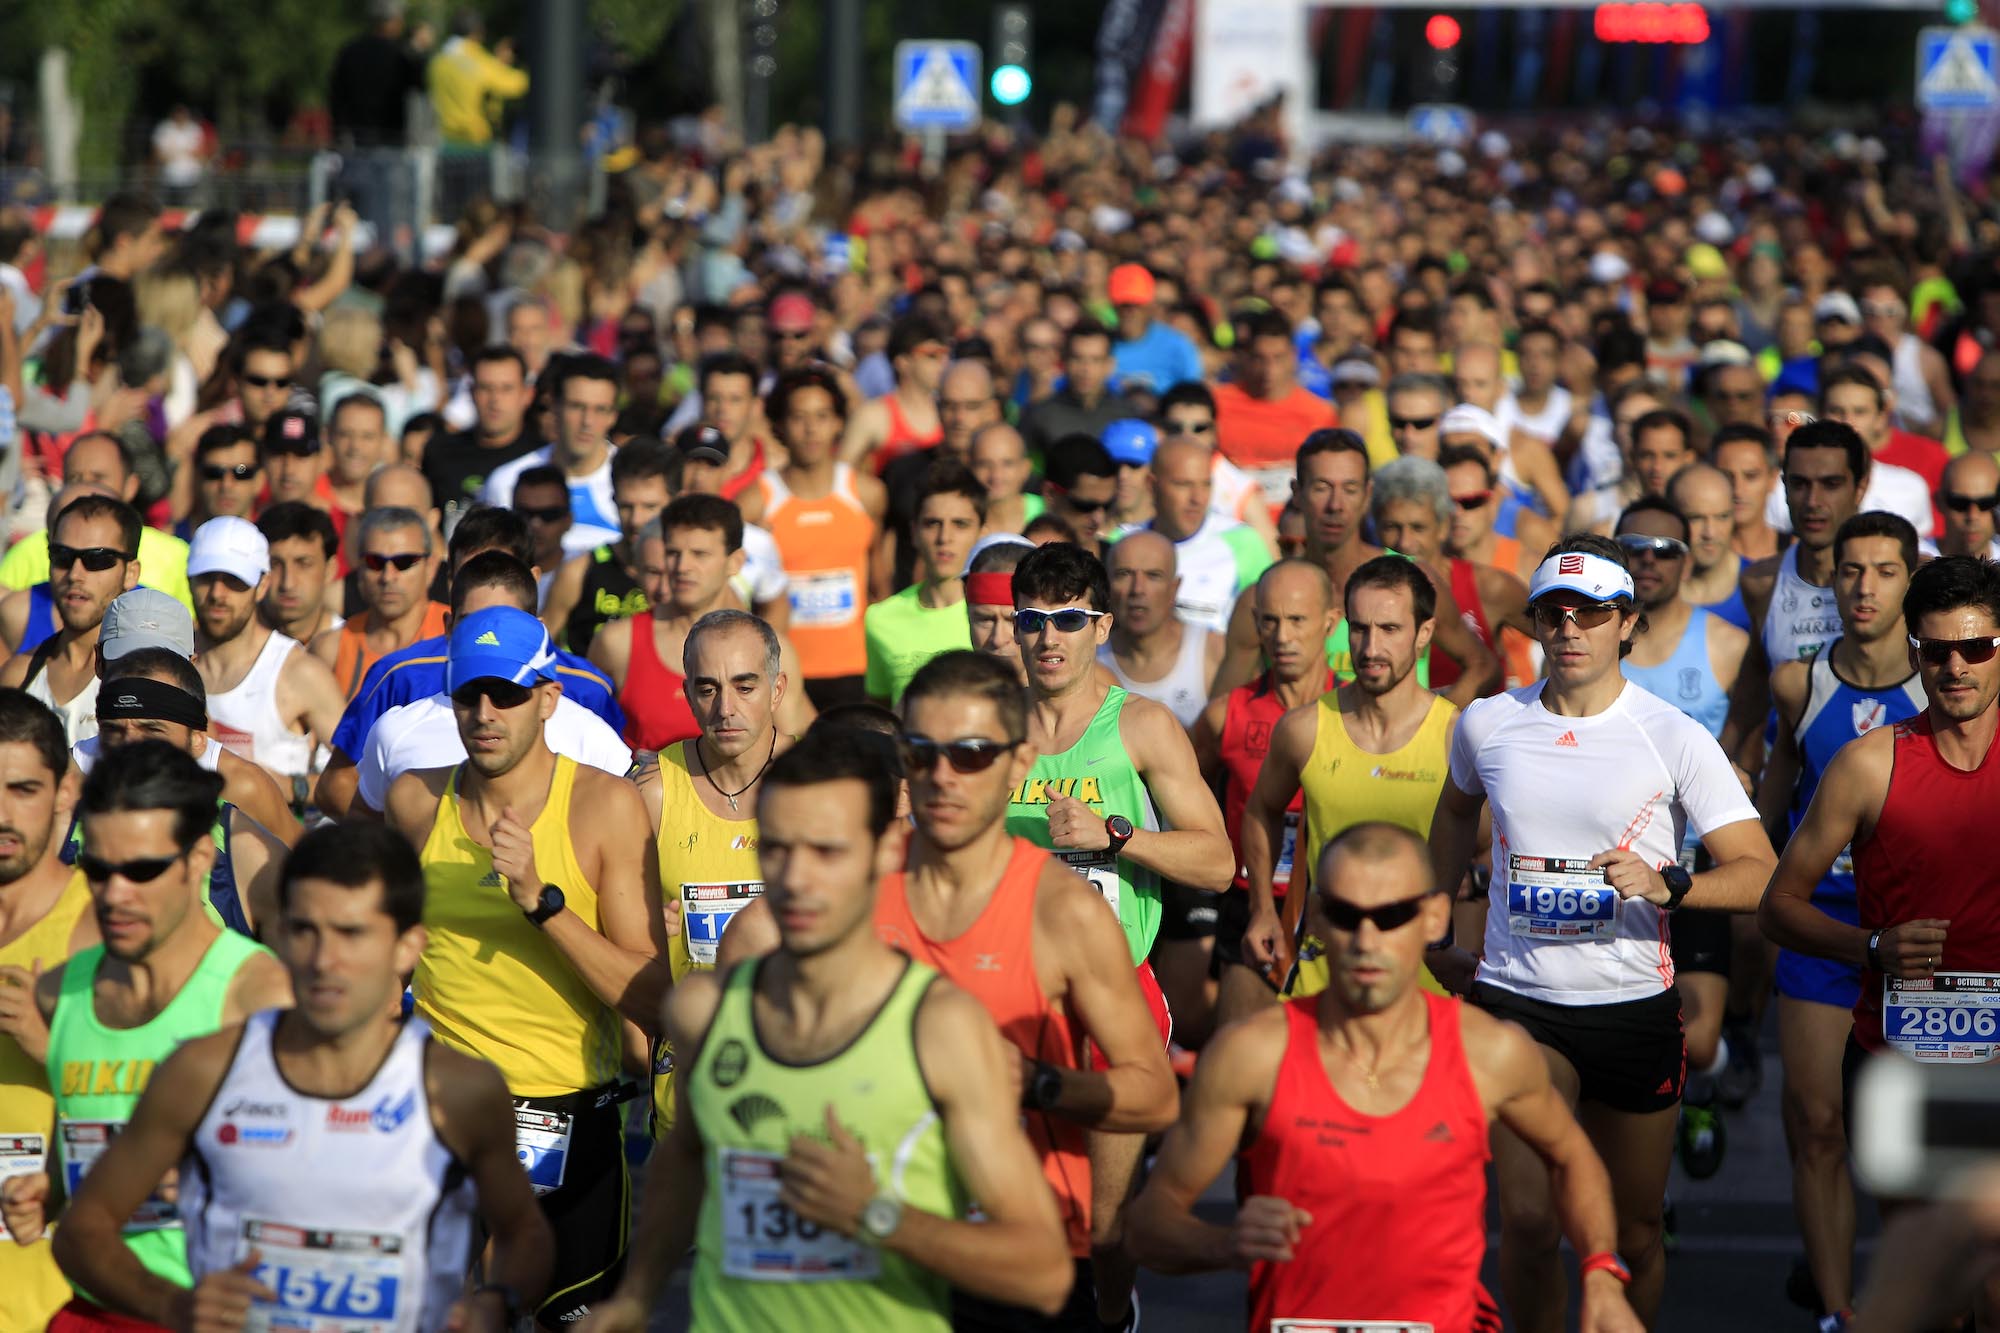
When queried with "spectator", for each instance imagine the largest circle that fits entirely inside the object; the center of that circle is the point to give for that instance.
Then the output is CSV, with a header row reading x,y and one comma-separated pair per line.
x,y
467,81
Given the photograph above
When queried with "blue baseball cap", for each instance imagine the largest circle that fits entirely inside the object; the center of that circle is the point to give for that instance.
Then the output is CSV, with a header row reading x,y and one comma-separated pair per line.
x,y
501,641
1131,441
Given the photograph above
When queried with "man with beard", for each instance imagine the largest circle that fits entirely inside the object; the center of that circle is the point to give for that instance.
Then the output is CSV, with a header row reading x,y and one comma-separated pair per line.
x,y
92,559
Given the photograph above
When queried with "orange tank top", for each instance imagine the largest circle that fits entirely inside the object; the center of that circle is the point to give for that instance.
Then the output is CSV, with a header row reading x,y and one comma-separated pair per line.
x,y
994,960
902,437
824,545
353,659
1517,650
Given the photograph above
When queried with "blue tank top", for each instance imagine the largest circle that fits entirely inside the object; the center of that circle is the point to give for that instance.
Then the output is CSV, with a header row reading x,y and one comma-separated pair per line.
x,y
1731,608
1685,679
42,623
1836,713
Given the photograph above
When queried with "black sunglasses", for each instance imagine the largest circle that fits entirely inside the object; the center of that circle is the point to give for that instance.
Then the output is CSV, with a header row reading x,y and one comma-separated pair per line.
x,y
1965,504
1937,652
974,754
1472,501
216,471
546,514
269,381
1187,428
1550,615
96,559
1068,620
402,560
141,870
1084,506
505,694
1412,423
1346,918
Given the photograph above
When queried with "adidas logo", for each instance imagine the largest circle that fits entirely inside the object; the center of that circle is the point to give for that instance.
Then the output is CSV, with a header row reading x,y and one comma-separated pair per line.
x,y
1439,1133
1666,1088
1567,739
491,880
489,637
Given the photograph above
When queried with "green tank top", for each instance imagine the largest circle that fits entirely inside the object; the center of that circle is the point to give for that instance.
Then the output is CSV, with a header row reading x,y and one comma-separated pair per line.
x,y
1097,771
757,1265
97,1074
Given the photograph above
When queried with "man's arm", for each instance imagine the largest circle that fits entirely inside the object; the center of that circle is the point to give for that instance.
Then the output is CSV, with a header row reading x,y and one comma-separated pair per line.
x,y
1479,668
14,612
474,1117
565,591
15,671
751,933
795,711
1263,829
1743,862
1242,652
1136,1095
611,647
258,856
1454,837
252,790
1236,1069
1781,767
311,696
1192,848
260,983
1742,737
338,782
864,432
326,646
1206,737
1536,463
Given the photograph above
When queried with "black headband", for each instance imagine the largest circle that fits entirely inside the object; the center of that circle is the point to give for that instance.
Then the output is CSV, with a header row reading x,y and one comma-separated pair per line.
x,y
153,700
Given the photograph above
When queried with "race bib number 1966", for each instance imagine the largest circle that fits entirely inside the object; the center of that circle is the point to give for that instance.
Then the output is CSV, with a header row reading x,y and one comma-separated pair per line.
x,y
1557,898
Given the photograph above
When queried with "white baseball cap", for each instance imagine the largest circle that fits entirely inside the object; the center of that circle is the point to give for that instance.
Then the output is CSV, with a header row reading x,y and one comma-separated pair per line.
x,y
231,546
1468,419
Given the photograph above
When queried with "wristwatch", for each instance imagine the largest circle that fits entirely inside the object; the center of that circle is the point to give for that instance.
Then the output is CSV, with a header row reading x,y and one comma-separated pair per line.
x,y
1679,882
1119,829
1043,1089
1875,950
510,1301
880,1217
550,903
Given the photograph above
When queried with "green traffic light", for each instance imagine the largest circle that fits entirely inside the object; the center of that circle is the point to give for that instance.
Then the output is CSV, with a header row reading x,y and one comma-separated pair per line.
x,y
1011,85
1961,11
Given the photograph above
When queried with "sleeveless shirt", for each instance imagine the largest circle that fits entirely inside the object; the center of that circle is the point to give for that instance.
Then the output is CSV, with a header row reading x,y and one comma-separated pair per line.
x,y
245,719
826,545
1248,721
657,714
1802,617
1183,691
1836,713
1687,679
609,593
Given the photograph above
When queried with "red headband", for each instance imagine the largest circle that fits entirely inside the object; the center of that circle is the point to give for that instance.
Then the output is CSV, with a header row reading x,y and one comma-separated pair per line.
x,y
989,589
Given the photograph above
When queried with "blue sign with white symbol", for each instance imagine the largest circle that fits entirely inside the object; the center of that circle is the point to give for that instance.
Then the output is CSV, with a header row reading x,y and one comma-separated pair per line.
x,y
1441,123
1958,69
937,86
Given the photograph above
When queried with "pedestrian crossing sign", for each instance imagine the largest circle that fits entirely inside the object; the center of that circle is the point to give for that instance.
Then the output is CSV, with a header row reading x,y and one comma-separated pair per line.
x,y
937,86
1956,69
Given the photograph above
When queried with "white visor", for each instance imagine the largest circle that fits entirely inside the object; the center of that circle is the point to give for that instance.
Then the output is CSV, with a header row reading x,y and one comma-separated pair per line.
x,y
1588,575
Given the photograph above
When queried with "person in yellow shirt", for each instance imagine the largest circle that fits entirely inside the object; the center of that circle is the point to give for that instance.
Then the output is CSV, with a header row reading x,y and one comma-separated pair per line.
x,y
467,81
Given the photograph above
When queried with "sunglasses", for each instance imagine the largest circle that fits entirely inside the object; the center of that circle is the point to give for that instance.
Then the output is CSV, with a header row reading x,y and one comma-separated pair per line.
x,y
1346,918
1188,428
1660,548
1551,615
1965,504
96,559
1473,500
1067,621
376,562
974,754
1412,423
1084,506
216,471
268,382
546,514
505,694
142,870
1938,652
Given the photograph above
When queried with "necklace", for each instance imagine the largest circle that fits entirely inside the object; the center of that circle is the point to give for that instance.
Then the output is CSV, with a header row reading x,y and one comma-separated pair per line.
x,y
730,796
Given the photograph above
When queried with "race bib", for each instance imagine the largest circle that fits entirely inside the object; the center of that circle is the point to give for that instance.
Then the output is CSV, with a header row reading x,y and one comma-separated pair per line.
x,y
1557,898
1954,1018
83,1142
1348,1326
1281,874
706,910
1274,482
824,598
1844,863
541,1141
1100,868
765,1241
327,1281
21,1155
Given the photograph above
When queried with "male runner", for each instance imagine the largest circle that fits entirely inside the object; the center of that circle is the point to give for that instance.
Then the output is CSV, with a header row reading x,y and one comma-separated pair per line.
x,y
989,598
1746,455
303,598
999,458
1713,580
1967,497
333,1158
1475,500
1575,947
456,466
842,1105
1116,792
164,973
1362,1117
1218,558
687,557
1152,652
541,498
91,561
1859,683
44,918
908,629
537,975
586,406
398,563
269,700
604,585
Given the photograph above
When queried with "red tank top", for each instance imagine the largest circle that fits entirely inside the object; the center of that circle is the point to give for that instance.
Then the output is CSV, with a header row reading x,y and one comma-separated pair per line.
x,y
1398,1202
1464,591
656,707
994,961
902,437
1247,723
748,477
1928,858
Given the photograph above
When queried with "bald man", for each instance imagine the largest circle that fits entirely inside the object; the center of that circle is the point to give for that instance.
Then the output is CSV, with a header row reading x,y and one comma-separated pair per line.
x,y
1218,558
1151,651
999,458
1524,460
1707,501
1968,495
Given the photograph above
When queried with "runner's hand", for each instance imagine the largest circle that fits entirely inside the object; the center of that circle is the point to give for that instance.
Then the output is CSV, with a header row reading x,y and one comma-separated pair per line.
x,y
20,1017
1626,871
24,1203
620,1314
1261,936
1606,1308
1454,968
220,1302
514,858
828,1181
1266,1229
1075,826
484,1313
1913,949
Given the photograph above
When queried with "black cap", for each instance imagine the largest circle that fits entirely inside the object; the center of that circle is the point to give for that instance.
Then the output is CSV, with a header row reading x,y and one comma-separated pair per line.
x,y
702,444
291,432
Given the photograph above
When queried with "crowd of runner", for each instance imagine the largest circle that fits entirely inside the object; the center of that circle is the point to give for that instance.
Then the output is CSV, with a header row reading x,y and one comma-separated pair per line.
x,y
1483,622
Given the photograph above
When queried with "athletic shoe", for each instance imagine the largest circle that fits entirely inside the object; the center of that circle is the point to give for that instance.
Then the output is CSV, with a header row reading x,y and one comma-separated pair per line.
x,y
1836,1322
1129,1324
1702,1141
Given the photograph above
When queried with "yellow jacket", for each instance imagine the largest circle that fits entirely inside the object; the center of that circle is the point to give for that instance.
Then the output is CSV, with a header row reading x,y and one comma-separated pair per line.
x,y
464,76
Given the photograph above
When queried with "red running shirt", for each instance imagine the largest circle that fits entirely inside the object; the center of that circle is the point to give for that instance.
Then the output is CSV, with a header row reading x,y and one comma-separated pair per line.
x,y
1398,1202
1248,720
1929,857
655,703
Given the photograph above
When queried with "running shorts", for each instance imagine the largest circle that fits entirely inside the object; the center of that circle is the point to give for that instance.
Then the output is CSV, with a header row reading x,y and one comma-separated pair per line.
x,y
82,1316
976,1314
591,1202
1629,1056
1188,914
1701,941
1818,980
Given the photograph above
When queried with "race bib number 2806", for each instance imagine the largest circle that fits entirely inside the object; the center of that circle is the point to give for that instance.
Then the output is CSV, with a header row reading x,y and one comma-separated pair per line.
x,y
1953,1018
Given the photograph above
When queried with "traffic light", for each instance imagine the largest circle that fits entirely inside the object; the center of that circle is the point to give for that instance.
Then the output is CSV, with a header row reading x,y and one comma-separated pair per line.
x,y
1961,11
1441,31
1013,51
1440,77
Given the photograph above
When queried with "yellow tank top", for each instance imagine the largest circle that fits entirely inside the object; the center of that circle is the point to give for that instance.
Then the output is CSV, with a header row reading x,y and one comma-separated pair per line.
x,y
490,983
707,863
31,1287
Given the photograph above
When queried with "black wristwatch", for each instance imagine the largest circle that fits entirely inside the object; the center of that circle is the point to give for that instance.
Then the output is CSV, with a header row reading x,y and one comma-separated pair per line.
x,y
1679,882
550,903
1043,1089
1875,950
1119,830
510,1299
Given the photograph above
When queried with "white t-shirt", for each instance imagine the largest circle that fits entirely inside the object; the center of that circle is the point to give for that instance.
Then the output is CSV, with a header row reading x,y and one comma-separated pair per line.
x,y
178,146
1554,931
1896,490
424,734
595,515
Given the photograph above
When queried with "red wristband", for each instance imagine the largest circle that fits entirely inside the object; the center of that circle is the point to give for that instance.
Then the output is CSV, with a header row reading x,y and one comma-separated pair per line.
x,y
1605,1261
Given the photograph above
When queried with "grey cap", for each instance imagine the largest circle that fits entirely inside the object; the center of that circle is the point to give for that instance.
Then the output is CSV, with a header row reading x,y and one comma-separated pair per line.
x,y
145,618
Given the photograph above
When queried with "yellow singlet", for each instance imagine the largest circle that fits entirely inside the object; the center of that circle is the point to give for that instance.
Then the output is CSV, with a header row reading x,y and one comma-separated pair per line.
x,y
31,1287
490,983
1345,785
